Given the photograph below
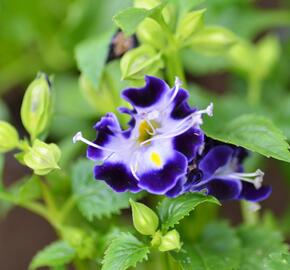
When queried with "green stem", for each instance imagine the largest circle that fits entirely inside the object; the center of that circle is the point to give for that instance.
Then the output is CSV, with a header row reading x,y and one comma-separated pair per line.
x,y
250,217
68,206
254,90
174,67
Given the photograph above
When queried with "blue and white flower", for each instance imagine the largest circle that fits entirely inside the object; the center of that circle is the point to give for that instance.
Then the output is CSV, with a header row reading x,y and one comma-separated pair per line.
x,y
164,135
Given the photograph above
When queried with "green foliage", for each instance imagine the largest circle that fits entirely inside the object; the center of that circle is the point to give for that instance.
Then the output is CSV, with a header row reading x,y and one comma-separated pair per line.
x,y
171,211
218,248
94,198
124,251
256,133
56,254
8,137
262,249
91,56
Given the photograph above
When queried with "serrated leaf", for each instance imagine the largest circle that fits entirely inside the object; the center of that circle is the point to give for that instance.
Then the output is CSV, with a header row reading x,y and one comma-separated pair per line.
x,y
262,249
171,211
56,254
95,199
218,248
91,56
256,133
124,251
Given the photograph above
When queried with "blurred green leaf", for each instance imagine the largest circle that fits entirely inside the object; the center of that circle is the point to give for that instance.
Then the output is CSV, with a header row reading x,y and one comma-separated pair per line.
x,y
91,56
171,211
124,251
218,248
56,254
253,132
95,199
262,249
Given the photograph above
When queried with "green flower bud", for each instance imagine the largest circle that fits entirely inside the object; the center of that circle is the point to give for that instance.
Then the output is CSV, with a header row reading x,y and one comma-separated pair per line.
x,y
81,241
141,61
189,24
212,40
42,158
144,219
156,239
147,4
150,32
170,241
36,106
8,137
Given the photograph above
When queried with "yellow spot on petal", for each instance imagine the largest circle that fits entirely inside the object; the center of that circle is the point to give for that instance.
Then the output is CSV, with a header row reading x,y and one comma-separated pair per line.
x,y
155,158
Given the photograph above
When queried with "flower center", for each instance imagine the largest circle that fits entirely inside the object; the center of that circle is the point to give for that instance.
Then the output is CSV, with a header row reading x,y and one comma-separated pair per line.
x,y
146,130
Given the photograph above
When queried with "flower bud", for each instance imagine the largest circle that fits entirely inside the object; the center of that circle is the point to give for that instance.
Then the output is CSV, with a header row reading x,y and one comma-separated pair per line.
x,y
140,61
147,4
42,158
8,137
170,241
81,241
212,40
150,32
36,106
144,219
190,23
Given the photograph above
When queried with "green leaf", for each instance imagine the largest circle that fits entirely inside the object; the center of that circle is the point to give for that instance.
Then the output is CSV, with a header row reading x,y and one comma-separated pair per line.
x,y
218,248
91,56
171,211
56,254
29,190
129,19
262,249
256,133
95,199
124,251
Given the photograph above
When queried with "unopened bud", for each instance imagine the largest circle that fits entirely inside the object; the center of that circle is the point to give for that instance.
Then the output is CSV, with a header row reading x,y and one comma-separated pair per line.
x,y
8,137
170,241
212,40
144,219
190,23
36,106
141,61
42,158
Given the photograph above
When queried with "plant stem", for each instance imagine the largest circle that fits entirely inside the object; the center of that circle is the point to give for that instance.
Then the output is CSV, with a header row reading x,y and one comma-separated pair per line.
x,y
254,90
250,217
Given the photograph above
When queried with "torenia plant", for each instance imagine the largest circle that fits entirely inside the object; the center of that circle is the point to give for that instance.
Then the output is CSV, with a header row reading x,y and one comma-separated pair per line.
x,y
159,149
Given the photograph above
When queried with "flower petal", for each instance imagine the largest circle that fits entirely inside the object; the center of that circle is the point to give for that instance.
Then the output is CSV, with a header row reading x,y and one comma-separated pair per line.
x,y
250,193
181,108
159,181
178,189
189,142
117,175
224,189
154,92
216,158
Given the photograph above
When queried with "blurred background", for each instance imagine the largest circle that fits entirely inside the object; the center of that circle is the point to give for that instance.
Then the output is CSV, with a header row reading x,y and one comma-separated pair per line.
x,y
42,35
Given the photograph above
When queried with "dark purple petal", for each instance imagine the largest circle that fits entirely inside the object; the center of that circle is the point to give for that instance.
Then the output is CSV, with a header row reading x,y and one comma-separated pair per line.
x,y
250,193
161,181
117,176
181,108
224,189
177,189
106,129
151,93
189,142
216,158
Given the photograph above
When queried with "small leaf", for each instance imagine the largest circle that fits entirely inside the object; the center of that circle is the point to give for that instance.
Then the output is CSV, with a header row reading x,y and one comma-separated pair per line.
x,y
256,133
91,56
56,254
124,251
263,249
129,19
95,199
219,248
171,211
29,190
